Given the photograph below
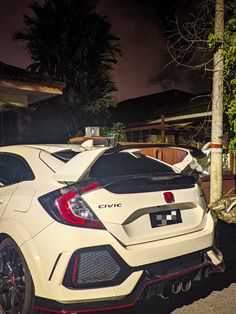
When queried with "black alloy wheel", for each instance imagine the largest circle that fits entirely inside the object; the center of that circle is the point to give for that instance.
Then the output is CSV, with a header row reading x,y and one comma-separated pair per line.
x,y
16,286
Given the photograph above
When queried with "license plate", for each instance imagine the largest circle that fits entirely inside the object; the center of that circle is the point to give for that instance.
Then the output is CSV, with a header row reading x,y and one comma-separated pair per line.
x,y
165,218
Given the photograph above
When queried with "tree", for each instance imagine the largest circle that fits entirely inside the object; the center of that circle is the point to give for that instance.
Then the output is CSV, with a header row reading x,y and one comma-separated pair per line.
x,y
229,54
216,183
192,43
188,35
117,130
69,42
197,45
188,39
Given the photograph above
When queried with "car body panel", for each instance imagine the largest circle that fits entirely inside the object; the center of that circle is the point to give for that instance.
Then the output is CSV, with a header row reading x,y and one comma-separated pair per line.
x,y
129,220
5,196
49,245
67,242
14,229
23,195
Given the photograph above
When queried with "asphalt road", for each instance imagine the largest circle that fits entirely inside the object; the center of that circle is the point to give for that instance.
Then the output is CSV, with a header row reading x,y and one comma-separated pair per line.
x,y
217,294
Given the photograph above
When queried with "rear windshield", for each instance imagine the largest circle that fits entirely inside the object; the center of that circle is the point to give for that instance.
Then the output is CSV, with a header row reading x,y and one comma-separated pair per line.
x,y
65,155
123,164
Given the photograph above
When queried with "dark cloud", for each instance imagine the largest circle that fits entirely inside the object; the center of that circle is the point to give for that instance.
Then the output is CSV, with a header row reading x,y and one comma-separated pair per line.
x,y
176,77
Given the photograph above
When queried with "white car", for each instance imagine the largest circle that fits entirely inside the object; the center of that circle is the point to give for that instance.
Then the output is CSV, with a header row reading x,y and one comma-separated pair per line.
x,y
86,228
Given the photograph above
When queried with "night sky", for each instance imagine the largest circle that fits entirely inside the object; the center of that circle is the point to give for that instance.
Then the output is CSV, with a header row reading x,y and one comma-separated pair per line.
x,y
141,26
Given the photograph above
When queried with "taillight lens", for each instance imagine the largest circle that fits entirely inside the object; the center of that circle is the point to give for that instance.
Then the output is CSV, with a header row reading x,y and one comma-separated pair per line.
x,y
89,187
70,208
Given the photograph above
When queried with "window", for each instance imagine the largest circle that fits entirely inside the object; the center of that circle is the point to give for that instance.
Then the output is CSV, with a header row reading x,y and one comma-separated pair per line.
x,y
123,163
14,169
65,155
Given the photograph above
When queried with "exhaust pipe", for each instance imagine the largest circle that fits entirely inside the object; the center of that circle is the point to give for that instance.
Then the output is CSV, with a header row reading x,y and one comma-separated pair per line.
x,y
176,287
164,290
186,284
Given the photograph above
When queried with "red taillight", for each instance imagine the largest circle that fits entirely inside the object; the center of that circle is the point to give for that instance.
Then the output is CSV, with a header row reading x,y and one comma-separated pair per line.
x,y
73,209
169,197
92,186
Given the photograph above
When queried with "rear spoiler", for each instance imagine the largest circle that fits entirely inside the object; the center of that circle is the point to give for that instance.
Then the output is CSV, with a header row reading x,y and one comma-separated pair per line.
x,y
75,168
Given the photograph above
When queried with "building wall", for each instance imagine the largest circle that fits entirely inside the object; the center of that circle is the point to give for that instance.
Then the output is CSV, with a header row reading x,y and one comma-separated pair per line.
x,y
8,127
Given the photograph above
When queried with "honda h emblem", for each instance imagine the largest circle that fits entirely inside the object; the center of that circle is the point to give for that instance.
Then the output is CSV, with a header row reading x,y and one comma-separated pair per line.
x,y
169,197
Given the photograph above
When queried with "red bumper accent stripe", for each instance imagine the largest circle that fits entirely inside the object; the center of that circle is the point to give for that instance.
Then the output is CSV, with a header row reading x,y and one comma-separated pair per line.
x,y
183,272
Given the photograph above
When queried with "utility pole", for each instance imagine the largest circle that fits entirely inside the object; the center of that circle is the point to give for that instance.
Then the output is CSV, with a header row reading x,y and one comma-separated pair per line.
x,y
217,109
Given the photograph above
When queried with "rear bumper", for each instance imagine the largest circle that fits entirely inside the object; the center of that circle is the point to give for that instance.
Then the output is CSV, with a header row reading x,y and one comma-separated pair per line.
x,y
196,266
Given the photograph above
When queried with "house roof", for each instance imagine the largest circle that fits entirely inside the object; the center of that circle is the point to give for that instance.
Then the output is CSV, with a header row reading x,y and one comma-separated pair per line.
x,y
19,87
13,73
171,103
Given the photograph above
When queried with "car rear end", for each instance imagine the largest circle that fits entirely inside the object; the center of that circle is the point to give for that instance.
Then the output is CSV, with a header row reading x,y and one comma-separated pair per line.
x,y
130,227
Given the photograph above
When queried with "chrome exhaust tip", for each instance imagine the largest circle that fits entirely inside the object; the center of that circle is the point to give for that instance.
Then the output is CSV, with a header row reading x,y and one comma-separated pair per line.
x,y
176,287
186,284
164,291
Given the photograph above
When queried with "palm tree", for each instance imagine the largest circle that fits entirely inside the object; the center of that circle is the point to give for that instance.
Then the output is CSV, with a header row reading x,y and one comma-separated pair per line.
x,y
69,42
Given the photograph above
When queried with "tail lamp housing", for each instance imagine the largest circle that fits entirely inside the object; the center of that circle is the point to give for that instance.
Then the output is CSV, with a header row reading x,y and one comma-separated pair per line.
x,y
70,208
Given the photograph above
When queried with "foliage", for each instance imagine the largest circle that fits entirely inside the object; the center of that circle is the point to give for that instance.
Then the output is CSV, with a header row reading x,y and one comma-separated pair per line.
x,y
117,130
192,43
69,42
187,41
229,53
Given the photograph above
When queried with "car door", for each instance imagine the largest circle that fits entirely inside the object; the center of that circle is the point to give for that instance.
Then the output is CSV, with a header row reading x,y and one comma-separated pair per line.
x,y
13,169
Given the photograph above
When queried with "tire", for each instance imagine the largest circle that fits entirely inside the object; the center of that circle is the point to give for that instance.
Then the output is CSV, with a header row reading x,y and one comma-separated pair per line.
x,y
16,285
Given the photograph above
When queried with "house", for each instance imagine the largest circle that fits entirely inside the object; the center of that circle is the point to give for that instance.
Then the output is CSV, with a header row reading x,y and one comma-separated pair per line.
x,y
18,90
169,116
50,120
32,110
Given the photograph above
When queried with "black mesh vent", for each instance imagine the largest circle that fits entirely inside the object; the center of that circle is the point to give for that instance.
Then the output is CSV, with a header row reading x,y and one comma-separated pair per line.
x,y
95,267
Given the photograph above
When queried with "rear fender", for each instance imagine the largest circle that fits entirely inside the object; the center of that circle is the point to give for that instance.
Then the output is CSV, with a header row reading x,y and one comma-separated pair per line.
x,y
11,228
16,231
